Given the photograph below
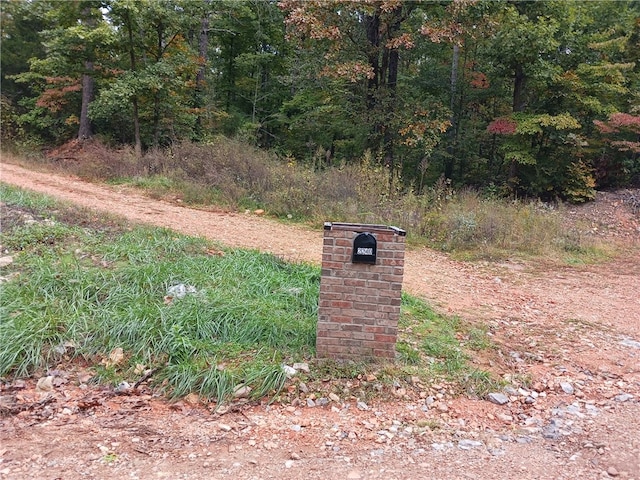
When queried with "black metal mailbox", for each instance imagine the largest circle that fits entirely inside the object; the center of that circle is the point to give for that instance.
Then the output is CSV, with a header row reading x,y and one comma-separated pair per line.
x,y
364,248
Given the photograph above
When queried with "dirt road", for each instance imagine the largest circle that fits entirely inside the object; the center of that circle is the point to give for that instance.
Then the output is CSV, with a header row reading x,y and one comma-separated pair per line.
x,y
573,333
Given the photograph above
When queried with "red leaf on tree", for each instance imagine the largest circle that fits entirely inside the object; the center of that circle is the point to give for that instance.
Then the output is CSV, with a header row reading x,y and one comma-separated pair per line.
x,y
618,122
479,80
624,120
502,126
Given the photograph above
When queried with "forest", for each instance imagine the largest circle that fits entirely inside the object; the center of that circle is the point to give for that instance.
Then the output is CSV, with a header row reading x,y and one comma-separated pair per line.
x,y
533,99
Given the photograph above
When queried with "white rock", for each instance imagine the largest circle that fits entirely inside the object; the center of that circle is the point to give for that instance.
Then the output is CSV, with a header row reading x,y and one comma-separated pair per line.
x,y
241,391
289,371
180,290
567,388
498,398
469,444
627,342
302,367
505,418
623,397
45,384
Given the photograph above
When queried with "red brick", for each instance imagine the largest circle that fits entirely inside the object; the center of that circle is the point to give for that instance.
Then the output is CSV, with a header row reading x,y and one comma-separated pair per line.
x,y
389,309
382,337
333,265
330,295
374,329
342,319
391,278
353,272
352,328
343,289
366,306
385,353
388,293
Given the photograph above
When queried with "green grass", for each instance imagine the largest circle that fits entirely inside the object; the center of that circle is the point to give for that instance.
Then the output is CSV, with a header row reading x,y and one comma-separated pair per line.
x,y
85,291
445,345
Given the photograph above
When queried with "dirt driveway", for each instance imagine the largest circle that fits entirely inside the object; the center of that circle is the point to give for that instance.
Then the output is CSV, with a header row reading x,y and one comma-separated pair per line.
x,y
570,334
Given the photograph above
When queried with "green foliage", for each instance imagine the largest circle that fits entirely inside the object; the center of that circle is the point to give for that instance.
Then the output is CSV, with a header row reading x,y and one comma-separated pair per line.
x,y
36,233
528,124
580,184
419,91
70,33
248,312
21,23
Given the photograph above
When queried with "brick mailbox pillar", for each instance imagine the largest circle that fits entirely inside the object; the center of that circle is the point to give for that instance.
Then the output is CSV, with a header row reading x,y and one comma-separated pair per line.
x,y
360,291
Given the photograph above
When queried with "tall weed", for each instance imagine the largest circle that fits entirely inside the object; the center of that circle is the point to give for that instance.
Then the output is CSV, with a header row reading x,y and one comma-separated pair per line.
x,y
233,174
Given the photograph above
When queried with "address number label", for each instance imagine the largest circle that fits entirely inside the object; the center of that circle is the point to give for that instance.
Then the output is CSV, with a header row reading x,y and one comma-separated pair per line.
x,y
364,251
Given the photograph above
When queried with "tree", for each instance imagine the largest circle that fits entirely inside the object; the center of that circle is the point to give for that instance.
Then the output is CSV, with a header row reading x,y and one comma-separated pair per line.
x,y
521,50
62,77
153,70
566,61
515,93
621,155
248,62
362,45
20,24
361,42
457,32
89,18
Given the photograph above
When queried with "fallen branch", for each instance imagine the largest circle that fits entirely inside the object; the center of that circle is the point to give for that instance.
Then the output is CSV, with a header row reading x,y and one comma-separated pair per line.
x,y
145,377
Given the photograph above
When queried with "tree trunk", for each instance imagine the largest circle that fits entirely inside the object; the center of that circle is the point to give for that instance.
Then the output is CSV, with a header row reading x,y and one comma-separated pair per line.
x,y
231,82
381,87
84,132
203,48
88,87
156,95
519,83
453,88
392,82
136,127
372,26
134,98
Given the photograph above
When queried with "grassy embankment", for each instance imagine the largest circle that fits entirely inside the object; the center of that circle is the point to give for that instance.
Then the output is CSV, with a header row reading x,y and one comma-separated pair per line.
x,y
87,291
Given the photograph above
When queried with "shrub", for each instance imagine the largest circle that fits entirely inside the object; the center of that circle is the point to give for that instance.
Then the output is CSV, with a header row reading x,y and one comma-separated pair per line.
x,y
230,173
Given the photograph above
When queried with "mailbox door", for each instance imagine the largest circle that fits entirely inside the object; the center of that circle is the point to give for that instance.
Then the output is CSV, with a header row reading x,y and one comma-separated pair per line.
x,y
364,249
